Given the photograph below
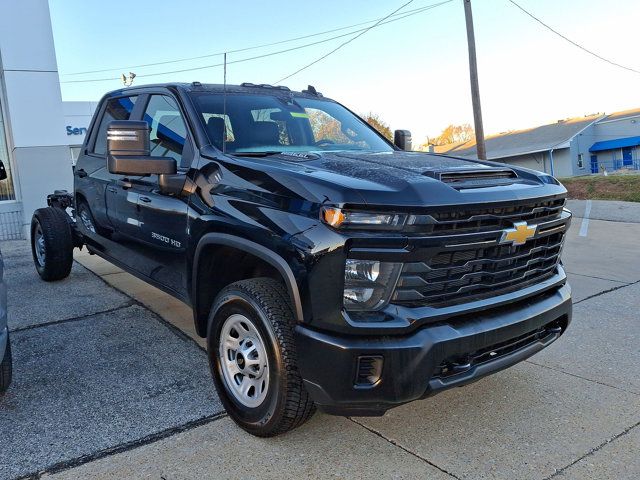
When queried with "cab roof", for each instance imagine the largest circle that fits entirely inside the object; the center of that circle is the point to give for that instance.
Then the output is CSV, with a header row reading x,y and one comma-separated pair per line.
x,y
249,88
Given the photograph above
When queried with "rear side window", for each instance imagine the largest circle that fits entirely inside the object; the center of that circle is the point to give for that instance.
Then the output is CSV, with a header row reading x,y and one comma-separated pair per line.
x,y
168,130
116,109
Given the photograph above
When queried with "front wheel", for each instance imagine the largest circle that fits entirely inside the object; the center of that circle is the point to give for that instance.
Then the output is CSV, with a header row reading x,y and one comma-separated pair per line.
x,y
253,360
51,243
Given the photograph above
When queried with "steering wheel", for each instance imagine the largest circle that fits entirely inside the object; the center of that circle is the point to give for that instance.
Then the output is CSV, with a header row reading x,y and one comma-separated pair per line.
x,y
324,141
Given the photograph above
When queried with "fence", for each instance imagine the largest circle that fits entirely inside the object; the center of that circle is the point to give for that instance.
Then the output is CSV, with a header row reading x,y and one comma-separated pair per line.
x,y
615,164
11,225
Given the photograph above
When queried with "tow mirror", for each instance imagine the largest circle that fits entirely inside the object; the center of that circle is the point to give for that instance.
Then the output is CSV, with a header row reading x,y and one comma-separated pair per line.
x,y
128,151
402,139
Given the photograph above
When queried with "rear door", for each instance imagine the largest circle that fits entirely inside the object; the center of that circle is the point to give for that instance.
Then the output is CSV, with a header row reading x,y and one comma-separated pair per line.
x,y
91,176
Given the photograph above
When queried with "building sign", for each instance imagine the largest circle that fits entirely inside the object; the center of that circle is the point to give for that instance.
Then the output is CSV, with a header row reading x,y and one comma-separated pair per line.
x,y
76,130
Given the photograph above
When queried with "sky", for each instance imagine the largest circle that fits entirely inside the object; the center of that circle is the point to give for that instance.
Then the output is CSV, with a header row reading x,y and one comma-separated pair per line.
x,y
413,72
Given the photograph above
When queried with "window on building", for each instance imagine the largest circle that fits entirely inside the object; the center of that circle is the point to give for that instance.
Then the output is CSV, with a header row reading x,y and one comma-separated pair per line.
x,y
168,130
116,109
580,161
6,186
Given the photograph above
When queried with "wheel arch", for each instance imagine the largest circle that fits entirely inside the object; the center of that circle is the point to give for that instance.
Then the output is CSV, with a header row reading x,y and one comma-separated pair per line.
x,y
202,299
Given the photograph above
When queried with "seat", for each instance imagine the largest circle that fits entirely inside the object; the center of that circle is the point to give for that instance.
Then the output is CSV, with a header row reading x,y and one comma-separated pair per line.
x,y
215,129
264,134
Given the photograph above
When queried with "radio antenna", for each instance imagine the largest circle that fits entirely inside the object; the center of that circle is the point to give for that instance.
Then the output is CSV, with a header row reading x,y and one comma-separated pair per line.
x,y
224,106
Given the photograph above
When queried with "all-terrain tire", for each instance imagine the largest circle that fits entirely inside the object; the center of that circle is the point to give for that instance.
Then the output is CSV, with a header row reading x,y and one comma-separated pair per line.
x,y
51,243
266,305
6,369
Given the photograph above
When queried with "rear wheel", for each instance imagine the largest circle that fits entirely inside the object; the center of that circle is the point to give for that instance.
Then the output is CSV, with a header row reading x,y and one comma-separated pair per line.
x,y
85,219
253,360
6,369
51,243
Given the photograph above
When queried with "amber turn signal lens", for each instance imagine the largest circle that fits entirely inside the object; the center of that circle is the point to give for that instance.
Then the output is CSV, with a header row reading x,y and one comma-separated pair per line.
x,y
333,216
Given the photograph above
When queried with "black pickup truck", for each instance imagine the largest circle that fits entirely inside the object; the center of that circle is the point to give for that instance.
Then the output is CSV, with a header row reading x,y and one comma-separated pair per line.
x,y
326,266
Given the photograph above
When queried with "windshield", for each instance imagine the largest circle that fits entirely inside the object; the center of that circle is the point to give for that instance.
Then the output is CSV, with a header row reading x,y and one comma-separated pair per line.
x,y
255,124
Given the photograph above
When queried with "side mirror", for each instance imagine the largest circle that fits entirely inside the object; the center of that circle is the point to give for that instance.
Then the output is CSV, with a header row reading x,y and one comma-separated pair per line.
x,y
128,151
3,171
402,139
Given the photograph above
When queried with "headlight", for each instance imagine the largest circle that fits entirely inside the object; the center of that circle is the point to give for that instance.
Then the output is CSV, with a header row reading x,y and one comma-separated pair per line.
x,y
368,284
337,218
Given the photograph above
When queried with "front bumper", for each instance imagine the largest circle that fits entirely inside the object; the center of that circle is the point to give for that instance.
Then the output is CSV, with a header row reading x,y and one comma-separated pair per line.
x,y
416,365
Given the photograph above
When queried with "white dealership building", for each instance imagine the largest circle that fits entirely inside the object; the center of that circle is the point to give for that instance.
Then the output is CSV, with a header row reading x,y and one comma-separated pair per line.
x,y
39,133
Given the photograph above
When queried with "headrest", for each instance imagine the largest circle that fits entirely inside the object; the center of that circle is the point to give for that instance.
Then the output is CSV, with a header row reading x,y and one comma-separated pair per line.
x,y
215,128
265,133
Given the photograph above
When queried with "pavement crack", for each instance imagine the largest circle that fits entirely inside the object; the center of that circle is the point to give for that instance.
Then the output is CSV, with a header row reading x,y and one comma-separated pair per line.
x,y
630,222
618,287
124,447
72,319
592,451
598,278
581,377
396,444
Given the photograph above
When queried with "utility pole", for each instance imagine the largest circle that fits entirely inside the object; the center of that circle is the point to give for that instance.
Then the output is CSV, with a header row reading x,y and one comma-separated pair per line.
x,y
481,150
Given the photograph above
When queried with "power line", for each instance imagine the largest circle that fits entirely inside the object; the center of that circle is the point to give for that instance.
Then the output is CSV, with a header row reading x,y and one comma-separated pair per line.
x,y
344,43
599,57
254,47
256,57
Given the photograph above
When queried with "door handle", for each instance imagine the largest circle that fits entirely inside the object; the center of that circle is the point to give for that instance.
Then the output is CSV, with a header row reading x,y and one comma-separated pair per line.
x,y
124,183
81,173
145,199
112,189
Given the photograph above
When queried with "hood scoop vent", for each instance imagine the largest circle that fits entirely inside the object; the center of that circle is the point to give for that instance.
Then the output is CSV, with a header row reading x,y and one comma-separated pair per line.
x,y
478,178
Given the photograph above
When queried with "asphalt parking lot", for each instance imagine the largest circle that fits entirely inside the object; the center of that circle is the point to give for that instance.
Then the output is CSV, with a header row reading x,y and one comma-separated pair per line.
x,y
110,383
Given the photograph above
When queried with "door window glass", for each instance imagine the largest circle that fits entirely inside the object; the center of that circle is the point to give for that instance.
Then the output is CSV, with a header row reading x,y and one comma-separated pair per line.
x,y
168,130
116,109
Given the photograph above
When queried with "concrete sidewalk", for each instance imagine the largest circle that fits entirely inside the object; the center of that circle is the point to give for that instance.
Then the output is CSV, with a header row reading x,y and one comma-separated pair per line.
x,y
572,411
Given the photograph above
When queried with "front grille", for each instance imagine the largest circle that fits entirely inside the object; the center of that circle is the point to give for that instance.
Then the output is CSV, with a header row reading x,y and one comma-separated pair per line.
x,y
451,278
486,219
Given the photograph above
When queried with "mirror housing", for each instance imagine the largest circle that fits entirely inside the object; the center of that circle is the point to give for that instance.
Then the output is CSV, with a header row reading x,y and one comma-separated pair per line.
x,y
3,171
128,151
402,140
128,138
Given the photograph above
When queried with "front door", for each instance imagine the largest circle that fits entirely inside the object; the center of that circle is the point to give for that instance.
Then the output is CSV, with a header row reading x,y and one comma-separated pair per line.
x,y
627,156
158,223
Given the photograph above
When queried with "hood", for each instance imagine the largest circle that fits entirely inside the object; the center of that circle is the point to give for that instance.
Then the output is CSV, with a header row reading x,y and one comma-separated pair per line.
x,y
402,178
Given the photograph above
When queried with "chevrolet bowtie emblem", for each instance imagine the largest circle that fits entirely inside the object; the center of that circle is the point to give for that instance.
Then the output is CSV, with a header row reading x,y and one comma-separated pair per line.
x,y
519,234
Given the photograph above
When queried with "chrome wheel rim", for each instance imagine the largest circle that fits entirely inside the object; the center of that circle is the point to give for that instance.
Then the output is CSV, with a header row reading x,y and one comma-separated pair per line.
x,y
243,361
86,221
38,244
